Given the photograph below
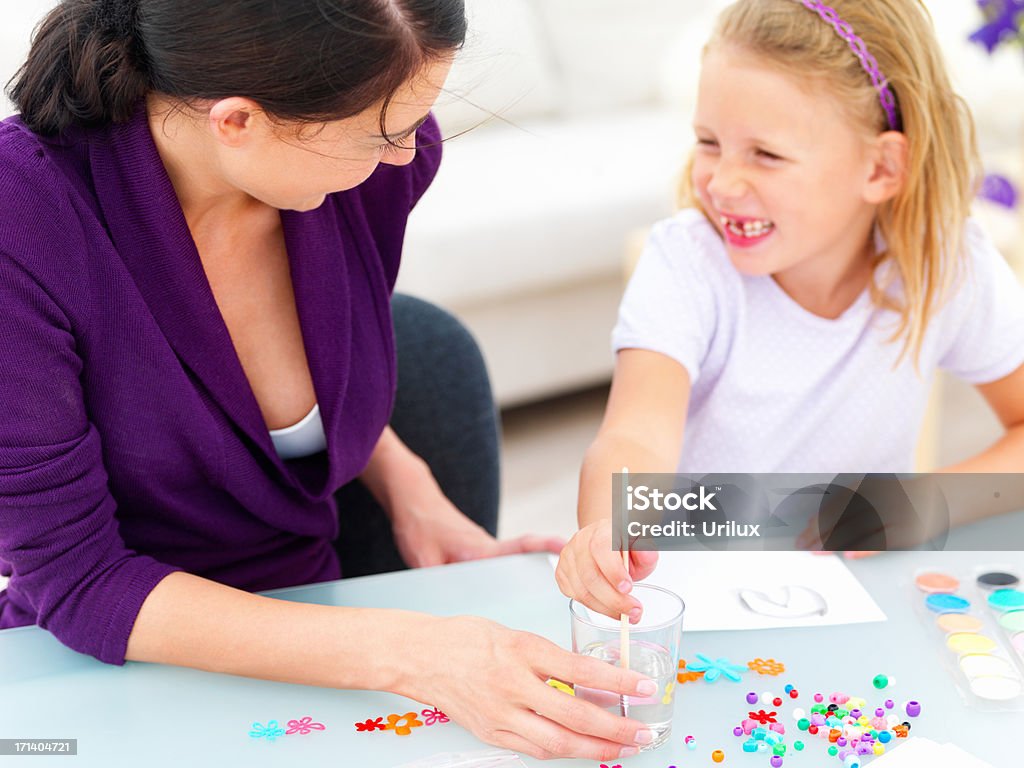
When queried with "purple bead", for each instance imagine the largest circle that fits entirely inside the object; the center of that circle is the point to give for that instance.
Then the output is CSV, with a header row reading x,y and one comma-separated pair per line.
x,y
855,714
776,761
818,720
864,749
752,698
889,704
841,741
879,712
913,708
737,731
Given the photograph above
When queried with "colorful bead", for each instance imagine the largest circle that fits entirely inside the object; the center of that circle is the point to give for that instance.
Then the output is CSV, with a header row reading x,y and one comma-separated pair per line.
x,y
813,730
803,724
833,750
884,737
799,714
779,749
737,731
776,761
794,694
818,698
750,745
752,698
798,746
766,698
777,727
777,702
718,755
880,682
879,749
788,688
913,708
889,703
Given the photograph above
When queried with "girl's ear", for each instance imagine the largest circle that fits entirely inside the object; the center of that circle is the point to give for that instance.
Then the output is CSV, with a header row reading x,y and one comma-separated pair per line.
x,y
888,171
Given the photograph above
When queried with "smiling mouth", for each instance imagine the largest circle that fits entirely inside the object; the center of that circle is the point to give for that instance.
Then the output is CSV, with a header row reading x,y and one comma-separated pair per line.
x,y
749,228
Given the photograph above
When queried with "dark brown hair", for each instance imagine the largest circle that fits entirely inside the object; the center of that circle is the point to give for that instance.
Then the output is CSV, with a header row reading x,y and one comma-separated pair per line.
x,y
92,61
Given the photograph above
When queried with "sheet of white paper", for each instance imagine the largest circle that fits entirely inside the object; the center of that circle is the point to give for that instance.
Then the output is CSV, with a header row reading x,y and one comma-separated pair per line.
x,y
916,752
763,590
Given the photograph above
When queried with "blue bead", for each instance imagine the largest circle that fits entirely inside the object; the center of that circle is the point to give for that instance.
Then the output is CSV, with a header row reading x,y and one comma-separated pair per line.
x,y
885,737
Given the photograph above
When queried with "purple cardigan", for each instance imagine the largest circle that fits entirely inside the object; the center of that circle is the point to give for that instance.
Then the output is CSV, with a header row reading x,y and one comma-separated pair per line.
x,y
131,444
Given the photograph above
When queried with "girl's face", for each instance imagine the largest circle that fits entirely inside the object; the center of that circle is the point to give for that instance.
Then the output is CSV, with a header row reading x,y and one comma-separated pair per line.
x,y
779,169
296,167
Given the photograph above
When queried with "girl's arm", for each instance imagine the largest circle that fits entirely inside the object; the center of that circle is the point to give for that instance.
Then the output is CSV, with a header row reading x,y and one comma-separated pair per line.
x,y
1006,455
642,430
1006,398
642,427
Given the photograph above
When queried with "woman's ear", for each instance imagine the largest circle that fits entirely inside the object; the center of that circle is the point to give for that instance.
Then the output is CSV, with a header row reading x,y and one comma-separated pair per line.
x,y
232,120
888,171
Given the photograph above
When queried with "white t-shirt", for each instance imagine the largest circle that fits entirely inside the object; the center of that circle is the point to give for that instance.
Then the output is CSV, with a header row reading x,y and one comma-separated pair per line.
x,y
776,388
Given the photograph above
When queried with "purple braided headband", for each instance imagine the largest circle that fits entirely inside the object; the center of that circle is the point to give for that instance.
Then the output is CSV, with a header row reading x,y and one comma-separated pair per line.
x,y
867,61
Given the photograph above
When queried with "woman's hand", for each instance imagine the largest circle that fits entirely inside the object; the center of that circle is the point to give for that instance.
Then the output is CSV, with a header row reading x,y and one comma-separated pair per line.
x,y
429,530
591,572
491,680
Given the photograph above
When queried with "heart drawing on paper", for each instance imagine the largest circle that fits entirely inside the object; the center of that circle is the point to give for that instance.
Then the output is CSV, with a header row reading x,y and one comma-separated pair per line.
x,y
789,602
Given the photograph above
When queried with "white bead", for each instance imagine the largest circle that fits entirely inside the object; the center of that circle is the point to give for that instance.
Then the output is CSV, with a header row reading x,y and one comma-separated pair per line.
x,y
766,698
799,714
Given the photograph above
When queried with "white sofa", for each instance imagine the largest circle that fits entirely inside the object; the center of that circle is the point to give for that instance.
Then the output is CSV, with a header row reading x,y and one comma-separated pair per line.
x,y
525,230
585,106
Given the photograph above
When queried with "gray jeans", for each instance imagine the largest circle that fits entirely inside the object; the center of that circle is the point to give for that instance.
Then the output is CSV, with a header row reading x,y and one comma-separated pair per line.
x,y
445,412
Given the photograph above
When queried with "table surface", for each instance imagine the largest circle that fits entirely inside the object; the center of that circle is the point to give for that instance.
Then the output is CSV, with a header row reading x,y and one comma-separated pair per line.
x,y
146,714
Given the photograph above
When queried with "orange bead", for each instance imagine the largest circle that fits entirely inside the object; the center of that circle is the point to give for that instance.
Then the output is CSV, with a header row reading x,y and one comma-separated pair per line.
x,y
718,755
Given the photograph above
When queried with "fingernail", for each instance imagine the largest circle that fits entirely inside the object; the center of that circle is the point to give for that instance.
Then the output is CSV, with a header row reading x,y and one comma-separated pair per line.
x,y
628,751
625,585
644,736
647,687
634,615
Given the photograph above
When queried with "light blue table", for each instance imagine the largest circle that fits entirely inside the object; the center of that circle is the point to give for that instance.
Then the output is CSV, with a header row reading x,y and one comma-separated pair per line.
x,y
151,715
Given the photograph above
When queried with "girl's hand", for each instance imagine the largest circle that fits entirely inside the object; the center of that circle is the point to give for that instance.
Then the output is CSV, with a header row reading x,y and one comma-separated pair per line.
x,y
591,572
429,530
491,680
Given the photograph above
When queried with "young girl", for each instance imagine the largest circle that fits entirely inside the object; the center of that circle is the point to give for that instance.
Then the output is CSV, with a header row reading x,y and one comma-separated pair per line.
x,y
790,317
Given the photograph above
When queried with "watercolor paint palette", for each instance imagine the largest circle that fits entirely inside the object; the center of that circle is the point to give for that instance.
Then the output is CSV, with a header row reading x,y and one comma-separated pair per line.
x,y
979,618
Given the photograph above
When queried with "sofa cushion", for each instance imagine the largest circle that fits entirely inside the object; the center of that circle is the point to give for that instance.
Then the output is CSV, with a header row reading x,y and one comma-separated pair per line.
x,y
609,52
550,203
505,68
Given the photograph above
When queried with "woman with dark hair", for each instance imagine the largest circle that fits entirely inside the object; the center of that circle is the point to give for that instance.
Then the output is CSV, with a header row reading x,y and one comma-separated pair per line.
x,y
203,211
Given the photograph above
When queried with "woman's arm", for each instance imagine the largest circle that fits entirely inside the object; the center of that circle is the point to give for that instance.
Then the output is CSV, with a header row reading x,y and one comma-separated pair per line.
x,y
643,431
428,528
488,678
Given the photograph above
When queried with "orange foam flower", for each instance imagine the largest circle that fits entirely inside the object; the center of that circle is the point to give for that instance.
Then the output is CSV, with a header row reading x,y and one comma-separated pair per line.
x,y
767,666
685,676
402,725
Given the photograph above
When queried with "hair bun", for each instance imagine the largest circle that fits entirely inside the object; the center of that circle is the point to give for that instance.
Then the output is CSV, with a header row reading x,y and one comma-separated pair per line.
x,y
117,17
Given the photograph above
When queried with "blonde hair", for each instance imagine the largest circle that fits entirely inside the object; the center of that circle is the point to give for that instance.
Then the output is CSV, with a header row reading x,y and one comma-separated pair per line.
x,y
923,226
